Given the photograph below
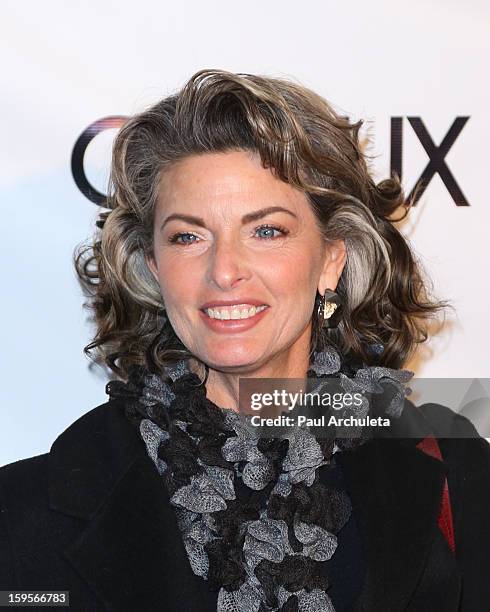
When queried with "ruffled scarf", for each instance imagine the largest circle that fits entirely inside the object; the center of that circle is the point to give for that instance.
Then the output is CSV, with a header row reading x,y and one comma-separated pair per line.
x,y
256,522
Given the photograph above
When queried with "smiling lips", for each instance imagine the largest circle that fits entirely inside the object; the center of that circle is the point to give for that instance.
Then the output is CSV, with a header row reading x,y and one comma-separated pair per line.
x,y
226,318
237,311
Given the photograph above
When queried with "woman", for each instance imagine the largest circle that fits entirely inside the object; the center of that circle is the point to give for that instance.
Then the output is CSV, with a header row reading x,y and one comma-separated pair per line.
x,y
247,240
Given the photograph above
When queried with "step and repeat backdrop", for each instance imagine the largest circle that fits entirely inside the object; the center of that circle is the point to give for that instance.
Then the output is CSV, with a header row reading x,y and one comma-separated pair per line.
x,y
72,74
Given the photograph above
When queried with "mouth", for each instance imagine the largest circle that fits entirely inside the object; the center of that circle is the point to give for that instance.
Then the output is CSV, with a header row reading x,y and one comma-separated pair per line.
x,y
234,312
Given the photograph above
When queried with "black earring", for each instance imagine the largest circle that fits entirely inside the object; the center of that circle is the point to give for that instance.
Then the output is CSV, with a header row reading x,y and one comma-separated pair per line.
x,y
329,309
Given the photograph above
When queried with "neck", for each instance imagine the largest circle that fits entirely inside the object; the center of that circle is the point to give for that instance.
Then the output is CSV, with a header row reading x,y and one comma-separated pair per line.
x,y
222,386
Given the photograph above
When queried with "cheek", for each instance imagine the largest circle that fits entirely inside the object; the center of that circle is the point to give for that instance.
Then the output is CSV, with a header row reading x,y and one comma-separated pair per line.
x,y
291,274
292,284
178,280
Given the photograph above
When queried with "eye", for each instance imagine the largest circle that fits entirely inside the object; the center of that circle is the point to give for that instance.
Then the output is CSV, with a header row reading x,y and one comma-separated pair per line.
x,y
185,238
175,238
270,229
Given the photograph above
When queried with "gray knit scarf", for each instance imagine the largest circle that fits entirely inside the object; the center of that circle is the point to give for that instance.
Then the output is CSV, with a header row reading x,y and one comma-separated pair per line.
x,y
256,522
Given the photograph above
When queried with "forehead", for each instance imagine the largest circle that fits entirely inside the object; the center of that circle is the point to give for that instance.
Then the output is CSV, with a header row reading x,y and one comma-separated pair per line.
x,y
221,176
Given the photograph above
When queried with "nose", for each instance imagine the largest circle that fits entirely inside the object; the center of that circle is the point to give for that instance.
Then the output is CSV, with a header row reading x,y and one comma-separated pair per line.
x,y
228,264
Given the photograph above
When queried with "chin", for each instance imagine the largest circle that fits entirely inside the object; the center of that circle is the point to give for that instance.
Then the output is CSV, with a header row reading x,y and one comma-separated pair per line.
x,y
229,360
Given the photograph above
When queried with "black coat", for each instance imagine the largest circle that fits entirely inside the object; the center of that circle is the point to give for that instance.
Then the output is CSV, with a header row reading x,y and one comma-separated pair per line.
x,y
92,516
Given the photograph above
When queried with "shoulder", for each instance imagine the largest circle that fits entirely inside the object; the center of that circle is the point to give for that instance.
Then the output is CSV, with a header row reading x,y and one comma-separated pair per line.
x,y
29,474
23,483
448,423
463,449
88,444
460,442
42,497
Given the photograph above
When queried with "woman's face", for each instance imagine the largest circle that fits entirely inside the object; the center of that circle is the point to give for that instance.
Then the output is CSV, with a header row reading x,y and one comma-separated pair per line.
x,y
227,231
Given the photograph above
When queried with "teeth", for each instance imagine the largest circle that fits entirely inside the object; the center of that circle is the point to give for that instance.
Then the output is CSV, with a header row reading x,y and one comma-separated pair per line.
x,y
239,311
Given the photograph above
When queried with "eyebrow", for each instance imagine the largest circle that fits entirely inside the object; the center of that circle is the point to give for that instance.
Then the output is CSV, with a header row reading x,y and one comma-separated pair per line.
x,y
248,218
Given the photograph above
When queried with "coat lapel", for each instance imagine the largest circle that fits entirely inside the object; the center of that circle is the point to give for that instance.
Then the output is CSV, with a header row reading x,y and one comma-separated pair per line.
x,y
132,555
129,550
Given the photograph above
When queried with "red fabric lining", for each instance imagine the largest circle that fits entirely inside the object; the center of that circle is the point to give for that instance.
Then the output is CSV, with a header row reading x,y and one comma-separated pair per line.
x,y
445,521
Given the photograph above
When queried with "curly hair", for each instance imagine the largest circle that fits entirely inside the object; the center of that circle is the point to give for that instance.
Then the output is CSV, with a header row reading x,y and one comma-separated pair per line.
x,y
306,143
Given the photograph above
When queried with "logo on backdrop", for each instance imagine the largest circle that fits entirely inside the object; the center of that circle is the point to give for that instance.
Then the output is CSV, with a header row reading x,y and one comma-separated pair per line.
x,y
78,155
436,154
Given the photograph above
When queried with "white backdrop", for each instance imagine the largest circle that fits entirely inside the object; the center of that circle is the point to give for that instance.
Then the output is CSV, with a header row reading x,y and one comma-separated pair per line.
x,y
67,65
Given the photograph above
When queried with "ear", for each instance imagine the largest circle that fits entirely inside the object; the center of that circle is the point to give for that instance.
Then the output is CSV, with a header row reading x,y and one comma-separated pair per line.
x,y
334,262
